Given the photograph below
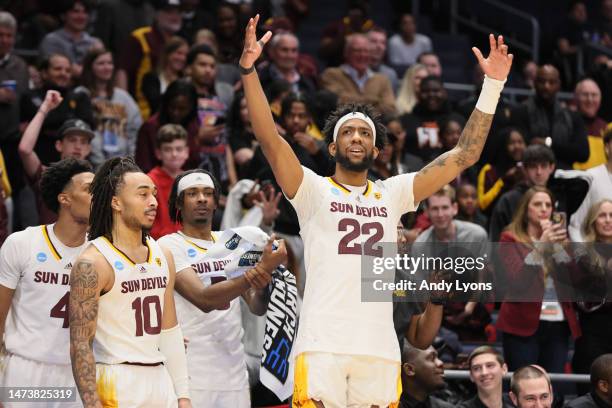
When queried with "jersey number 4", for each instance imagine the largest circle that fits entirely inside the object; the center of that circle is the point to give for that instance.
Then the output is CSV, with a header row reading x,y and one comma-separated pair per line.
x,y
60,310
355,230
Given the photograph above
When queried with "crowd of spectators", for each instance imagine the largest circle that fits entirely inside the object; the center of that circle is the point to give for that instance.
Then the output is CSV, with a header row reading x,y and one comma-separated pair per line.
x,y
159,80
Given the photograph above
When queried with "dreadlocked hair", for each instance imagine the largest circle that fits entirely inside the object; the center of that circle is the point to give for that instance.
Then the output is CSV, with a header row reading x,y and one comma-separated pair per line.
x,y
175,201
57,177
105,185
330,123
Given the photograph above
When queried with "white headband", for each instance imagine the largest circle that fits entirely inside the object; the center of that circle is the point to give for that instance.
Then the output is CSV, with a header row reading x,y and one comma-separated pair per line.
x,y
354,115
193,180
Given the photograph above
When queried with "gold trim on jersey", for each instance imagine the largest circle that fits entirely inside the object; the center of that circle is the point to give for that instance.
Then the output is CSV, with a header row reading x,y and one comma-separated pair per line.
x,y
52,248
124,255
366,192
107,387
199,248
300,385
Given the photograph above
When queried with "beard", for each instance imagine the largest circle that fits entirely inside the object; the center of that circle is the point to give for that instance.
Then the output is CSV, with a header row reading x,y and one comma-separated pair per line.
x,y
363,165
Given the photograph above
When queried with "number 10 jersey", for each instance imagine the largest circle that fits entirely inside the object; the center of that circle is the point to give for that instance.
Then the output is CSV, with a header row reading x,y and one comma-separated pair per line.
x,y
339,225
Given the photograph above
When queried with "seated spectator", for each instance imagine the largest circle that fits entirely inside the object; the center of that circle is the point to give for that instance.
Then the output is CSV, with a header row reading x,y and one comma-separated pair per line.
x,y
569,188
115,112
116,19
72,40
56,75
14,79
226,72
385,164
378,43
74,140
603,23
431,61
355,82
535,332
172,151
334,34
601,72
528,74
178,106
588,101
451,128
467,201
441,209
595,316
547,122
422,125
409,88
214,99
228,33
530,387
601,385
241,137
487,369
406,46
601,188
505,170
284,51
194,17
573,33
141,52
422,375
407,162
171,67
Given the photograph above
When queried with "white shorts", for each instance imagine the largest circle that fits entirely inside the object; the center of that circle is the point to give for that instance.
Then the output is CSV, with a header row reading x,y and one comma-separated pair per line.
x,y
345,380
16,371
220,399
131,386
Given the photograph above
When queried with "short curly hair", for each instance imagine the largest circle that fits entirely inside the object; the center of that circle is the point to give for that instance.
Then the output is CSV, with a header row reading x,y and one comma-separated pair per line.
x,y
381,130
57,177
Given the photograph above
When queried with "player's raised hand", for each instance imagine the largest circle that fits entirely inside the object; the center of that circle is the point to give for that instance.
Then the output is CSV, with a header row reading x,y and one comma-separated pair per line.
x,y
252,47
270,258
52,101
497,64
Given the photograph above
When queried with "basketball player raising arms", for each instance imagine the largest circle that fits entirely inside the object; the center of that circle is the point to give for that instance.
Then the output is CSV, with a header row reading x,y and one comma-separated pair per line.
x,y
34,275
125,343
347,351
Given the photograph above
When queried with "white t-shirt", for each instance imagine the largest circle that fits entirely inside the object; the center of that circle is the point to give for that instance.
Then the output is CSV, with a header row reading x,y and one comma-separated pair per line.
x,y
37,265
338,226
215,355
130,314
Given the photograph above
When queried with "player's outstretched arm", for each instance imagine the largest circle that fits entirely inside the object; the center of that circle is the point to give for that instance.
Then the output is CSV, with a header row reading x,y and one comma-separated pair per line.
x,y
26,146
259,277
171,340
285,165
85,287
424,328
208,298
469,147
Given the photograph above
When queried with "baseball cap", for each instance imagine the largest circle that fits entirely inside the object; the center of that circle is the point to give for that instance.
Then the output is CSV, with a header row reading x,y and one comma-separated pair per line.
x,y
75,126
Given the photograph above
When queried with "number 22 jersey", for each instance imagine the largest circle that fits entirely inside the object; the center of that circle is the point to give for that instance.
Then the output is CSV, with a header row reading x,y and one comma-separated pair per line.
x,y
339,224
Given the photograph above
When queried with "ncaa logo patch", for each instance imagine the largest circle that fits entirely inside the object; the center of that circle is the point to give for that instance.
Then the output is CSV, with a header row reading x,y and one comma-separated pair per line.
x,y
191,252
41,257
119,265
335,191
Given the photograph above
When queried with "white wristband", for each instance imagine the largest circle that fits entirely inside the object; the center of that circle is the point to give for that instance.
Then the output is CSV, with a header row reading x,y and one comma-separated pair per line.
x,y
172,347
489,95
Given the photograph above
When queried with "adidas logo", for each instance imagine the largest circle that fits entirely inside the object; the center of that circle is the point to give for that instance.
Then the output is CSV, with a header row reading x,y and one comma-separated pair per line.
x,y
69,266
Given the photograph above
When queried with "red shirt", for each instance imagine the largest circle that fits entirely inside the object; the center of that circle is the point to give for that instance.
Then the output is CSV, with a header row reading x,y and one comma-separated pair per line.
x,y
163,225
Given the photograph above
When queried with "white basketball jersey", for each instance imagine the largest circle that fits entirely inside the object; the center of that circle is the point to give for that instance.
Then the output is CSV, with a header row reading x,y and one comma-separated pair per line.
x,y
130,314
37,265
215,354
339,225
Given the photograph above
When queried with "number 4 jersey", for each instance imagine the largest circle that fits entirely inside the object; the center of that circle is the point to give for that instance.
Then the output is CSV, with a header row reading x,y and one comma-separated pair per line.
x,y
37,265
130,314
339,224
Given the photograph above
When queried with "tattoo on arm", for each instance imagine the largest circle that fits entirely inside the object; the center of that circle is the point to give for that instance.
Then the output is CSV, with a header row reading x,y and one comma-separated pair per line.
x,y
473,138
83,316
